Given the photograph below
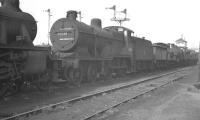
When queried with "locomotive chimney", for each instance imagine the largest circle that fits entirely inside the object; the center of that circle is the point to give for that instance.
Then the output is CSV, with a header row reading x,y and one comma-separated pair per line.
x,y
96,22
72,15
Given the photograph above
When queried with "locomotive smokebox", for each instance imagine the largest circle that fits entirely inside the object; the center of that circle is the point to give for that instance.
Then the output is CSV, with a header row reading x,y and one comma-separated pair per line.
x,y
13,24
96,22
72,15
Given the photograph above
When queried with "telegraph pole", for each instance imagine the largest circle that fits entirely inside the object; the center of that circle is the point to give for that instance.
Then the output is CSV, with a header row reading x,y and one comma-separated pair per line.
x,y
49,22
199,63
80,16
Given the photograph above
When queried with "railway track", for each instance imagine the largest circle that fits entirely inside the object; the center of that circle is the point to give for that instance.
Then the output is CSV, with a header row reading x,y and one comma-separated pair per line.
x,y
101,114
52,107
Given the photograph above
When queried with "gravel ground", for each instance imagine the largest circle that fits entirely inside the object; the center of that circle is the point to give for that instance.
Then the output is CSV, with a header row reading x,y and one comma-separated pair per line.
x,y
28,100
86,108
179,101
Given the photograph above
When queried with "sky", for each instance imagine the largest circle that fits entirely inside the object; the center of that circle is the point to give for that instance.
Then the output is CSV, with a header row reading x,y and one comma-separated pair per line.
x,y
156,20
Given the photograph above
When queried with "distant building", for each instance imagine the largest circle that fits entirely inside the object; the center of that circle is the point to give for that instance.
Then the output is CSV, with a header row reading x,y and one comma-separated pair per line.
x,y
182,43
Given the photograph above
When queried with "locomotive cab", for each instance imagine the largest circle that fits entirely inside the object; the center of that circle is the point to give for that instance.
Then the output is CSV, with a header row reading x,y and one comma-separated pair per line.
x,y
127,35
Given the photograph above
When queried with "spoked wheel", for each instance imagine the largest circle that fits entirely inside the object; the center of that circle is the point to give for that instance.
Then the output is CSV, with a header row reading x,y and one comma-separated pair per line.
x,y
4,87
4,78
8,88
9,82
75,76
91,73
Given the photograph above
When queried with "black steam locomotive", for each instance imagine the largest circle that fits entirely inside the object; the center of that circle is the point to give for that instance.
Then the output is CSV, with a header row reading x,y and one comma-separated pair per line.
x,y
86,52
20,61
79,52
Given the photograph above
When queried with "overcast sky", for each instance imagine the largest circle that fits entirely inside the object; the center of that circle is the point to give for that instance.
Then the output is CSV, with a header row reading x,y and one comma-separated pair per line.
x,y
156,20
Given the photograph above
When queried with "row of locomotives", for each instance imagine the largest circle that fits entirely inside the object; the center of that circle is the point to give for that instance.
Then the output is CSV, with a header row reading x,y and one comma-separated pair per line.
x,y
88,52
170,56
188,57
175,56
21,63
79,52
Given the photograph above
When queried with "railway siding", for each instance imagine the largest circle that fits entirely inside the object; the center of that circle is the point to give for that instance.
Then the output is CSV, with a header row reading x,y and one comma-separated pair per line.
x,y
85,108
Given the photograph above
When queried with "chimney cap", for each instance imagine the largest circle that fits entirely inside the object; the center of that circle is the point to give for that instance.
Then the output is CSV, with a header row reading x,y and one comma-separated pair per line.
x,y
71,13
96,22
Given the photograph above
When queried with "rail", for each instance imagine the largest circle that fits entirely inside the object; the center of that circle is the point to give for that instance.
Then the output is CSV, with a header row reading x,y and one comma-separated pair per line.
x,y
74,100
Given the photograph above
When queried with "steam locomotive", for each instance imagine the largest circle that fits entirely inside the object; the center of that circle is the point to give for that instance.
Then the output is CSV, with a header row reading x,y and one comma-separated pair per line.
x,y
20,61
87,52
79,52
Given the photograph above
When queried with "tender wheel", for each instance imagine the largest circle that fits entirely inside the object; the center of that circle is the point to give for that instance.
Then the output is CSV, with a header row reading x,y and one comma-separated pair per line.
x,y
44,82
91,73
107,73
75,76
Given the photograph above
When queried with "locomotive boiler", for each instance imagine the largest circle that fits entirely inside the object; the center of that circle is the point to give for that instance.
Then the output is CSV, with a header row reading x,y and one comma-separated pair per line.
x,y
69,35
